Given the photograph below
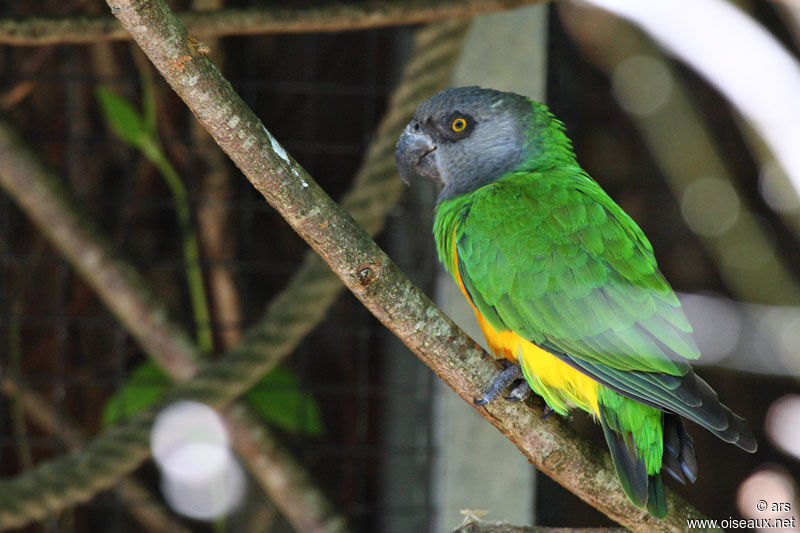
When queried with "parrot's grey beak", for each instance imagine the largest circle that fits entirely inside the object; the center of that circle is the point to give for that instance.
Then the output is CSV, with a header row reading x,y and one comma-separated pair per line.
x,y
415,153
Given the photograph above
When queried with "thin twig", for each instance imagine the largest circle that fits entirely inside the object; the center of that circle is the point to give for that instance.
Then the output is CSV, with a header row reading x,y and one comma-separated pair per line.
x,y
213,223
124,290
38,31
191,249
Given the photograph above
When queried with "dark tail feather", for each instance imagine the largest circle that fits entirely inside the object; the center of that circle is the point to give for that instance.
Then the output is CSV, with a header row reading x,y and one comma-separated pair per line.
x,y
678,458
686,395
716,417
630,467
644,490
656,499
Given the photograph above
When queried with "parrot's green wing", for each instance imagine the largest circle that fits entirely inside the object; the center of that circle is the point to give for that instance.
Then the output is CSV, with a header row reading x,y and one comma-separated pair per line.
x,y
550,256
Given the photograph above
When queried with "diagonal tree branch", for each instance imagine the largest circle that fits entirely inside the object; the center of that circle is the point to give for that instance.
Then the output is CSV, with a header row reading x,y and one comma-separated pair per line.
x,y
289,317
366,270
38,31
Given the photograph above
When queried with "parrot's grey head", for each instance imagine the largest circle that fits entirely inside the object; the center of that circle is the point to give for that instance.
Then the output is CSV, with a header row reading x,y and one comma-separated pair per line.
x,y
464,138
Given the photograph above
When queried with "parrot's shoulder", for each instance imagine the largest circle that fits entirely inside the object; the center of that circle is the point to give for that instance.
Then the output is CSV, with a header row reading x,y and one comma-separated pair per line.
x,y
446,223
558,202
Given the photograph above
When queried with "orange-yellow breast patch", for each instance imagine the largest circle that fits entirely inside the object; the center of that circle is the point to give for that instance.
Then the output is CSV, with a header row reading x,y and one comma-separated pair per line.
x,y
561,385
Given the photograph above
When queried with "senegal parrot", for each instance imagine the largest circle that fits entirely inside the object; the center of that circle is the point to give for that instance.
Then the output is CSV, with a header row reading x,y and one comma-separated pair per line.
x,y
563,283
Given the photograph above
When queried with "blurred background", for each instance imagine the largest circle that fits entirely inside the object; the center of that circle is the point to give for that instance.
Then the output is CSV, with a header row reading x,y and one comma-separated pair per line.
x,y
698,161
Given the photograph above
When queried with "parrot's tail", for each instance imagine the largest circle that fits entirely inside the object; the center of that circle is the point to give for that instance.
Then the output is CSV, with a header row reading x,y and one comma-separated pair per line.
x,y
706,409
642,489
645,489
678,459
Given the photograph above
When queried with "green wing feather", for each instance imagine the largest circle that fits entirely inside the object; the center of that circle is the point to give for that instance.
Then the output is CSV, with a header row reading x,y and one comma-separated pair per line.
x,y
550,256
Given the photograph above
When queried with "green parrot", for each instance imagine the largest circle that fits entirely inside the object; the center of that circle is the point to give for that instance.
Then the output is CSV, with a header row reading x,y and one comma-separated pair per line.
x,y
564,284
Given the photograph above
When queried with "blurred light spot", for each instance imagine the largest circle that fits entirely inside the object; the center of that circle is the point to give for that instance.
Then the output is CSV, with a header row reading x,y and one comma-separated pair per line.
x,y
642,84
200,476
773,338
736,55
186,422
209,498
789,342
710,206
716,322
767,494
783,424
776,189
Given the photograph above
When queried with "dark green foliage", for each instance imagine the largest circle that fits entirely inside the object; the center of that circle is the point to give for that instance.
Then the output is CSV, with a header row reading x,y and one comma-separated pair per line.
x,y
123,118
278,398
145,386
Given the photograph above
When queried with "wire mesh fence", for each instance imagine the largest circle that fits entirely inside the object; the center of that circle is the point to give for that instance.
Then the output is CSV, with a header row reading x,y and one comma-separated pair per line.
x,y
322,96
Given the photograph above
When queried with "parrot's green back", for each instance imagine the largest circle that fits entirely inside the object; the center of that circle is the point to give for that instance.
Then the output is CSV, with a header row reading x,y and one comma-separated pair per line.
x,y
540,254
565,282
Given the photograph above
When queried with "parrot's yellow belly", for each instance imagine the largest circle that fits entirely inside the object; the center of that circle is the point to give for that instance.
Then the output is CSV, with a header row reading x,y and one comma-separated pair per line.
x,y
561,385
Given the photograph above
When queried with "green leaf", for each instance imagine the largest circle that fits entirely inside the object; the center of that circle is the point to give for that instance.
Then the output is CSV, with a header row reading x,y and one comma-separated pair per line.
x,y
148,103
280,400
146,385
123,118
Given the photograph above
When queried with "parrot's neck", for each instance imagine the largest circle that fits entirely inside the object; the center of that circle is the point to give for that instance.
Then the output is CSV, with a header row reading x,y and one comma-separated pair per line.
x,y
544,146
547,145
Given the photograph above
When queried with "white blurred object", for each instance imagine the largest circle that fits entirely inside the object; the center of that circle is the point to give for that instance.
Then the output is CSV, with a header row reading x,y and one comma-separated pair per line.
x,y
736,55
717,324
200,476
776,189
768,496
783,424
206,498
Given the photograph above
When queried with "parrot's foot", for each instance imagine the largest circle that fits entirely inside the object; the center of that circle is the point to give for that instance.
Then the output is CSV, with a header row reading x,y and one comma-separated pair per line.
x,y
505,378
548,411
520,392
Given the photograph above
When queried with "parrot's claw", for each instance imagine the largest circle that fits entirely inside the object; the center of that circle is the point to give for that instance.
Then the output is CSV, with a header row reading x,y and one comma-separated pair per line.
x,y
548,411
505,378
520,392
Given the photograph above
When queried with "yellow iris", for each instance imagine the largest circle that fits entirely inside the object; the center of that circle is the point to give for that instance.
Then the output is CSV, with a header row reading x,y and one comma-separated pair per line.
x,y
459,124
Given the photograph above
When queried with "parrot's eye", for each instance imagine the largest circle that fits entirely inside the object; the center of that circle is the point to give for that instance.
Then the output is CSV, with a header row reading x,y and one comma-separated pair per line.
x,y
456,126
